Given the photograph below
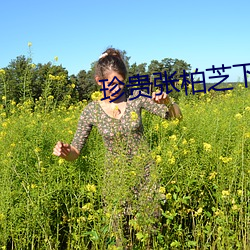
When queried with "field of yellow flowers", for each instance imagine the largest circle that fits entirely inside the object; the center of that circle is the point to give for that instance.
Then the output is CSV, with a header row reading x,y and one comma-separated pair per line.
x,y
203,162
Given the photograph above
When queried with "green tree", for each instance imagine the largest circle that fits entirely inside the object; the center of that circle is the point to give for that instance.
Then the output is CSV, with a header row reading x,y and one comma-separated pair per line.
x,y
52,80
74,85
170,66
18,79
86,84
155,67
135,69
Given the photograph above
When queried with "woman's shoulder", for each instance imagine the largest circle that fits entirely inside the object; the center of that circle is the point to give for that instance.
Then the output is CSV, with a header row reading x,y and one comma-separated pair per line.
x,y
90,107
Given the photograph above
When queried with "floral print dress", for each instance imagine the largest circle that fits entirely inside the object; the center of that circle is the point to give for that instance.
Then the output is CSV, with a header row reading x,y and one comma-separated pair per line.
x,y
128,129
137,188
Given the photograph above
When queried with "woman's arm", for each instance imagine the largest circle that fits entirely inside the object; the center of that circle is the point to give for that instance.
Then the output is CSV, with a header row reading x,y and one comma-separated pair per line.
x,y
70,152
161,105
174,111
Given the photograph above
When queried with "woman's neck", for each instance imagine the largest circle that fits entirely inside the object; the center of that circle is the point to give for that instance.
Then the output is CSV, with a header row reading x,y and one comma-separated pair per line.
x,y
116,102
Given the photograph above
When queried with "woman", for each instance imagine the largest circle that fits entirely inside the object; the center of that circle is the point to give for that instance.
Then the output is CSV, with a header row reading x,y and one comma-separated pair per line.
x,y
117,117
110,65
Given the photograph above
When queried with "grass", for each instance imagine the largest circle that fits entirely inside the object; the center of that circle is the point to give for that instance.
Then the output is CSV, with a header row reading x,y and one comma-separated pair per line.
x,y
202,164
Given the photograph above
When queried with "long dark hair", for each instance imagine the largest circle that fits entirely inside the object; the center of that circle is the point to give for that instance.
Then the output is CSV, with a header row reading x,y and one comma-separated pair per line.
x,y
111,60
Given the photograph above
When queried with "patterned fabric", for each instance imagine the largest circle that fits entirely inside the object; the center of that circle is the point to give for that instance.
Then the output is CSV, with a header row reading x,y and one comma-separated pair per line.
x,y
138,186
127,131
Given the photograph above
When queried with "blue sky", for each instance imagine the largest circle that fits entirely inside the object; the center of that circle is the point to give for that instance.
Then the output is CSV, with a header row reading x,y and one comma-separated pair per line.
x,y
202,33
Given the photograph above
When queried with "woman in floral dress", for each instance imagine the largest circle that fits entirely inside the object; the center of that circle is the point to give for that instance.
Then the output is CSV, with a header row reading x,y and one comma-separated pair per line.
x,y
118,119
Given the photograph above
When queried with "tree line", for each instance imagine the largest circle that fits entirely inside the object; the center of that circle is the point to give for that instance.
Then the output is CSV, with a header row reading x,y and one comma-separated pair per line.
x,y
22,79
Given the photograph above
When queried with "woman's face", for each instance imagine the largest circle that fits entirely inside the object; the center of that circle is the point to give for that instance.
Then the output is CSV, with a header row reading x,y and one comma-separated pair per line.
x,y
115,86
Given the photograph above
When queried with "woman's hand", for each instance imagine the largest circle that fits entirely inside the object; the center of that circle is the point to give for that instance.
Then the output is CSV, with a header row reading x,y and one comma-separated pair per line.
x,y
65,151
61,149
161,99
174,110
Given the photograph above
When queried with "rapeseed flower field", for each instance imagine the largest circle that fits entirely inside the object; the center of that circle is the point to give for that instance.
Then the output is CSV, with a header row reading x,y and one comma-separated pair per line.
x,y
202,164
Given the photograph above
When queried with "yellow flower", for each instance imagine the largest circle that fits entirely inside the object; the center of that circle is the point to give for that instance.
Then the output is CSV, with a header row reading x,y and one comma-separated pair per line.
x,y
184,141
96,96
87,207
108,215
33,186
9,154
212,175
238,116
218,212
91,188
225,159
156,127
171,160
175,122
173,137
133,173
67,119
61,161
37,149
198,212
51,77
164,124
225,193
2,134
229,93
158,159
2,217
247,135
29,44
56,58
50,97
235,207
4,124
168,196
2,72
192,140
133,116
73,85
81,219
247,108
13,103
90,217
3,97
207,147
33,66
162,190
239,192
